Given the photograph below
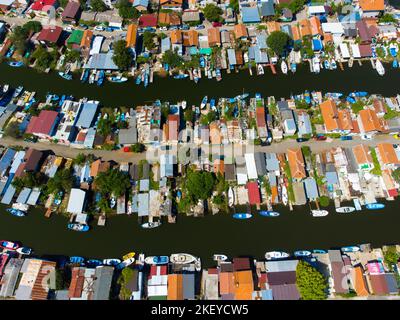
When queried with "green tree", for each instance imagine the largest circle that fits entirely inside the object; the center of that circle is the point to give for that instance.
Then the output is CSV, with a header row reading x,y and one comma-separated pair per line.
x,y
72,56
63,180
80,159
138,148
235,5
396,175
391,257
19,39
123,280
98,6
13,130
199,184
126,11
310,282
113,182
387,18
172,58
148,40
33,26
212,12
105,126
122,56
44,59
324,201
63,3
278,42
189,115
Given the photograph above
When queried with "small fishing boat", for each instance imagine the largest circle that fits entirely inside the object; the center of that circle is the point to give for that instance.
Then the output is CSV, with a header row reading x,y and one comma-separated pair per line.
x,y
302,253
333,64
65,76
284,195
18,91
327,65
181,76
151,225
100,79
197,265
218,74
242,216
350,249
78,227
183,105
319,213
117,79
146,79
379,67
76,260
8,245
357,204
16,212
284,67
138,80
220,257
260,70
157,260
5,88
231,197
94,263
128,255
242,96
113,202
20,206
182,258
319,251
274,255
203,102
307,97
24,250
345,209
293,67
111,262
395,64
269,213
15,64
85,75
125,263
374,206
359,94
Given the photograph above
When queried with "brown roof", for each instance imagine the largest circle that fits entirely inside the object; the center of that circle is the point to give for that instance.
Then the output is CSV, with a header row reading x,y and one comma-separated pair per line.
x,y
191,38
295,32
244,286
305,28
330,115
219,166
360,284
372,5
214,37
99,166
362,154
273,26
387,153
173,127
226,283
40,288
315,26
175,287
71,10
131,35
296,163
370,121
77,280
176,37
50,34
379,285
32,159
339,277
169,18
240,30
87,39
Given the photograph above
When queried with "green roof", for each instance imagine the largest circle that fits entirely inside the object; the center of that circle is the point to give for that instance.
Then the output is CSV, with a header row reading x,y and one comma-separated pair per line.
x,y
75,37
206,51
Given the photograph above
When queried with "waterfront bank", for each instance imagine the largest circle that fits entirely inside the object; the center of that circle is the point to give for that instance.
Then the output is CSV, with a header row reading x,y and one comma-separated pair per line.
x,y
357,78
204,236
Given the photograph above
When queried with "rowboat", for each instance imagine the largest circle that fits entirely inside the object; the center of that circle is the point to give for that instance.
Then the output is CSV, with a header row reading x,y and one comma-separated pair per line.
x,y
375,206
8,245
16,212
125,263
379,67
231,197
128,255
319,213
111,262
182,258
302,253
24,250
350,249
274,255
16,64
345,209
242,216
65,76
78,227
284,67
269,213
151,225
220,257
76,259
157,260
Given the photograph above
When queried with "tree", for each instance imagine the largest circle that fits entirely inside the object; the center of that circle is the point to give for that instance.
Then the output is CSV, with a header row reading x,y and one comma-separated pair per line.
x,y
323,201
278,42
63,180
172,58
387,18
189,115
13,130
44,58
391,257
122,56
113,182
123,280
19,39
126,11
396,175
138,148
98,6
33,26
72,56
63,3
235,5
212,12
80,159
105,126
310,282
148,40
199,184
28,180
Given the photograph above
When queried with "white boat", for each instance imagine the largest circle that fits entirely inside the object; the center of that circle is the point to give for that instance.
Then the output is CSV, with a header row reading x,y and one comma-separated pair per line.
x,y
284,67
357,204
197,265
316,66
231,197
184,105
24,250
182,258
345,209
284,195
203,102
260,69
151,225
5,88
319,213
379,68
129,209
20,206
111,262
220,257
157,260
273,255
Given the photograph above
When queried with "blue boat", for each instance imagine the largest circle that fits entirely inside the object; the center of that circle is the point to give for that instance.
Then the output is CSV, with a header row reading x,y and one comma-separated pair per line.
x,y
307,97
138,79
157,260
393,52
293,67
16,212
65,76
395,64
212,103
76,260
302,253
242,216
94,263
333,64
181,76
375,206
10,52
319,251
166,66
358,94
350,249
146,80
100,80
269,213
78,227
327,65
350,99
63,97
202,62
16,64
85,76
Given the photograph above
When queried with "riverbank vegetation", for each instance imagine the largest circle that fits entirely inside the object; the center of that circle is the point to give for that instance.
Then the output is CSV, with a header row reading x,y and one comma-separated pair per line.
x,y
311,283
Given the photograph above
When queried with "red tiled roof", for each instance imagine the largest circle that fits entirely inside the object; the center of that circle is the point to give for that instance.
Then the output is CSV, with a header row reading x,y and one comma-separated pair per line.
x,y
40,4
50,34
43,123
254,193
148,20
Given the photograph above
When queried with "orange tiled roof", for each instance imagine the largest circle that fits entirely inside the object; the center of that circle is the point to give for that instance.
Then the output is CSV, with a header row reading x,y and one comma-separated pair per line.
x,y
369,120
315,26
215,133
87,39
330,115
362,154
219,166
191,38
226,283
240,30
176,36
360,284
372,5
344,118
327,37
296,33
296,163
214,37
273,26
243,285
175,287
131,35
305,28
169,18
387,153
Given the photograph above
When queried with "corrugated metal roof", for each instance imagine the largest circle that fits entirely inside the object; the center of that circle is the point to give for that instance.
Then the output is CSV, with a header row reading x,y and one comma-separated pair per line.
x,y
87,113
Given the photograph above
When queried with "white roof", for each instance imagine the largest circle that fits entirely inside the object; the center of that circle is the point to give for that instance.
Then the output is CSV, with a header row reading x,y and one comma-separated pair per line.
x,y
251,165
76,201
96,45
154,291
344,49
316,9
355,50
332,27
6,2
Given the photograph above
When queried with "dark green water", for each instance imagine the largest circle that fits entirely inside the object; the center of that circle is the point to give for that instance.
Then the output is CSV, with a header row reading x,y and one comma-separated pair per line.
x,y
168,89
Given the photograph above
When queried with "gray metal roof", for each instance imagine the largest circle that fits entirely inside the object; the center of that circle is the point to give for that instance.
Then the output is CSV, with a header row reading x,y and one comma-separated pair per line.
x,y
143,204
10,276
281,266
167,165
188,286
311,188
87,114
267,8
24,195
261,166
102,283
101,61
6,159
272,162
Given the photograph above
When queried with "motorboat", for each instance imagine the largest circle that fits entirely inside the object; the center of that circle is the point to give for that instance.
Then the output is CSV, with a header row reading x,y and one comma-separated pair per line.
x,y
125,263
18,91
65,76
20,206
117,79
181,76
284,67
15,64
16,212
128,255
333,64
275,255
357,204
242,216
24,250
218,74
242,96
379,67
151,225
374,206
284,195
94,263
182,258
111,262
203,102
183,104
269,213
319,213
345,209
260,70
113,202
350,249
157,260
220,257
78,227
8,245
5,88
100,79
327,65
293,67
302,253
76,260
319,251
231,197
197,265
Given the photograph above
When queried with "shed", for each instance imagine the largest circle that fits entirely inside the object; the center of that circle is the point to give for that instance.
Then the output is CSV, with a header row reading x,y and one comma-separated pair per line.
x,y
76,201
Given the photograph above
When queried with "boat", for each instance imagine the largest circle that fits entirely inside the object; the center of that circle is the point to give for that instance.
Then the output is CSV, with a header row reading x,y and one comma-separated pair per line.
x,y
125,263
5,88
319,251
218,74
333,64
151,225
357,204
302,253
231,197
269,213
197,265
111,262
316,65
327,65
359,94
138,80
350,249
284,195
350,99
8,245
395,64
157,260
242,216
182,258
16,212
293,67
117,79
345,209
94,262
85,75
78,227
220,257
374,206
76,260
284,67
146,79
203,102
181,76
16,64
128,255
242,96
379,67
24,250
65,76
274,255
100,79
183,105
113,202
260,69
307,97
319,213
18,91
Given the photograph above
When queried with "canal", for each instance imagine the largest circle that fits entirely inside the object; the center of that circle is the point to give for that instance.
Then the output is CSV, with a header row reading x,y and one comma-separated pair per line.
x,y
211,234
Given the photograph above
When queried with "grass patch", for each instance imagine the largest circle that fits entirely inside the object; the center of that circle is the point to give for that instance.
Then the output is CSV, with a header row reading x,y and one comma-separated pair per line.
x,y
377,166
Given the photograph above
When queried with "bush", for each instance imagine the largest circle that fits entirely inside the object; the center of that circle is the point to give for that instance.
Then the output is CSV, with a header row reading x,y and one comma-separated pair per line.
x,y
324,201
310,282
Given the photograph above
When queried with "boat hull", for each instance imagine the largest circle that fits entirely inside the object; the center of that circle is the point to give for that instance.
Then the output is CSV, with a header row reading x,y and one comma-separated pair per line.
x,y
242,216
269,213
345,210
375,206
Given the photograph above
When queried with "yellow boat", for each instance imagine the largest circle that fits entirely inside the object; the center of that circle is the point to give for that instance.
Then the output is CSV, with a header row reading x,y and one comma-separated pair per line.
x,y
128,255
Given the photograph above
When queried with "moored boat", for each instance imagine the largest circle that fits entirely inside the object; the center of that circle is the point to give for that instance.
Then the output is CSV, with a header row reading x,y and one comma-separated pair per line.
x,y
218,74
151,225
157,260
319,213
379,68
117,79
111,262
284,195
319,251
293,67
65,76
374,206
242,216
357,204
181,76
203,102
345,209
182,258
269,213
197,265
8,245
128,255
24,250
18,91
302,253
220,257
231,197
78,227
76,260
16,64
16,212
100,79
260,69
350,249
284,67
125,263
274,255
94,262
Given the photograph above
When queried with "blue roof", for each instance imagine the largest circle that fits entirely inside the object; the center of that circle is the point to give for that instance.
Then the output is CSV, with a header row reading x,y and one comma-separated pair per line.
x,y
260,56
251,52
144,3
311,188
304,124
87,114
317,45
6,159
165,44
89,139
287,29
266,294
262,40
331,177
267,8
250,15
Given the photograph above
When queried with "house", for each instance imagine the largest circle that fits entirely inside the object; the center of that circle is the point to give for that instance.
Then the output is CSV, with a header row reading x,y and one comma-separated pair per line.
x,y
169,19
140,5
363,157
251,165
10,277
190,38
240,31
227,285
167,162
253,193
191,16
77,201
175,287
6,5
387,156
296,163
335,120
338,273
359,281
266,8
75,39
50,35
214,37
273,26
315,25
303,123
102,282
131,36
87,114
44,7
71,13
44,125
369,122
305,28
244,286
311,188
250,15
148,20
171,4
157,283
371,8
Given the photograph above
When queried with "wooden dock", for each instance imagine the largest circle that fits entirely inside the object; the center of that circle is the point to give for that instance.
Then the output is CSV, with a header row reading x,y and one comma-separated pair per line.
x,y
341,66
272,68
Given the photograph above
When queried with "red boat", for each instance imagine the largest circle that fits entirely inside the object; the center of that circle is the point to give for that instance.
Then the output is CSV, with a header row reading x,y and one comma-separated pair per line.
x,y
8,245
